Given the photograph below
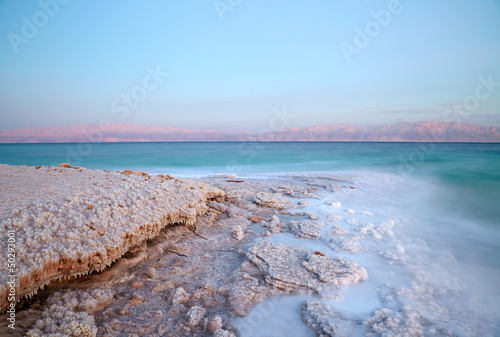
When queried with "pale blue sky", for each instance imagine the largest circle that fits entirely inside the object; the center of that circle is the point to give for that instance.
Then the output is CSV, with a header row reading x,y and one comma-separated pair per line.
x,y
233,72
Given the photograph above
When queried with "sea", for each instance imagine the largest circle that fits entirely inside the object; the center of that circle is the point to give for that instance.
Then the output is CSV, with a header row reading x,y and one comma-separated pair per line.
x,y
424,220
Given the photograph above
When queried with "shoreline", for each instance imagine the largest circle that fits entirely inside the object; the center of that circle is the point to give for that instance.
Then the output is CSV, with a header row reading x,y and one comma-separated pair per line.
x,y
294,244
229,221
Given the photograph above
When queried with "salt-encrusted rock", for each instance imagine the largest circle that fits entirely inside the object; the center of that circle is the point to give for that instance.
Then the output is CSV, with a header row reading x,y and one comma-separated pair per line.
x,y
338,230
334,218
295,269
306,229
237,233
347,242
246,292
223,333
58,235
334,203
387,322
213,324
319,317
275,225
195,316
70,313
312,216
255,219
151,273
273,200
180,296
71,324
337,271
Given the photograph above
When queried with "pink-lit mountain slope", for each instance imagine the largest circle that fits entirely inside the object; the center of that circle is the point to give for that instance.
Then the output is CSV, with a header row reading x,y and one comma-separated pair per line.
x,y
403,131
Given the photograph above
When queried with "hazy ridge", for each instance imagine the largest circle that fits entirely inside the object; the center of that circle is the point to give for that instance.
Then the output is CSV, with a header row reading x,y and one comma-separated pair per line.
x,y
402,131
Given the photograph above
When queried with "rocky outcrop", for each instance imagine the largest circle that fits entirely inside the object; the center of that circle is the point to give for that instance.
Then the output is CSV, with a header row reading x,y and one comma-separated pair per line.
x,y
296,270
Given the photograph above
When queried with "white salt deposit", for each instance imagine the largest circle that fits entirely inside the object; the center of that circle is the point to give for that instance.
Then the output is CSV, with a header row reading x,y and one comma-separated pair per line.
x,y
198,284
70,222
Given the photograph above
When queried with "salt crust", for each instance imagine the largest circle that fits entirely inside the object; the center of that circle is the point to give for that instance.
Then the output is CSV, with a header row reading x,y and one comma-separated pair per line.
x,y
307,229
273,200
320,318
70,222
69,313
154,295
297,270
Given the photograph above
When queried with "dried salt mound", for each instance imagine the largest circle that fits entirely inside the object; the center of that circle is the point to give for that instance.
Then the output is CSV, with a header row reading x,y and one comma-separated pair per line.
x,y
307,229
386,322
296,191
275,225
295,269
237,233
334,203
338,230
347,242
334,218
195,316
70,313
72,222
319,317
273,200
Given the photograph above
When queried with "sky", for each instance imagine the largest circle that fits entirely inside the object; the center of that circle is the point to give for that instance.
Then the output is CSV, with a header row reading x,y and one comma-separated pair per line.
x,y
238,63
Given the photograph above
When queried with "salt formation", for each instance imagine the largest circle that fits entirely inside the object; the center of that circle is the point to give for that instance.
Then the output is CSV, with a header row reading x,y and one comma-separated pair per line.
x,y
297,191
71,222
319,317
307,229
70,313
273,200
334,217
295,269
274,225
237,233
180,296
195,316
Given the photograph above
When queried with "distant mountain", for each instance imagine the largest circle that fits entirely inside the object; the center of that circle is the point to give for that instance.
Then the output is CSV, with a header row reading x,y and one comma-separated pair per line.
x,y
403,131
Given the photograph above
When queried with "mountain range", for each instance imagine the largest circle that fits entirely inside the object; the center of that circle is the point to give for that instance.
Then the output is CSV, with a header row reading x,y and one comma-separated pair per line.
x,y
398,132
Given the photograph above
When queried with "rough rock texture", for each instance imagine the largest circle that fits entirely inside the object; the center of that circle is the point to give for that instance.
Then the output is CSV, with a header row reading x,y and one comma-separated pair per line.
x,y
297,270
70,313
274,225
237,233
72,222
319,317
273,200
307,229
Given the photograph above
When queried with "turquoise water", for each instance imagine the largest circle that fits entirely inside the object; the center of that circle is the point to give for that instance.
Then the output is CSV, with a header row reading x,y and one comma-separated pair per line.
x,y
469,173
